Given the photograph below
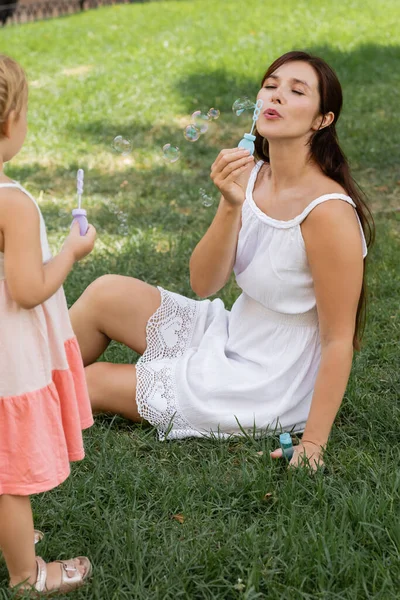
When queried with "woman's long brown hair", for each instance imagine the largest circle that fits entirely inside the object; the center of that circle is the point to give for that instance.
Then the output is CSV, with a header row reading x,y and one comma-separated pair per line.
x,y
326,152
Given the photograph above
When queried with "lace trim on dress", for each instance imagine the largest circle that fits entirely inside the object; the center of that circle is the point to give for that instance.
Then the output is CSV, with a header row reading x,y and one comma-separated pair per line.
x,y
169,332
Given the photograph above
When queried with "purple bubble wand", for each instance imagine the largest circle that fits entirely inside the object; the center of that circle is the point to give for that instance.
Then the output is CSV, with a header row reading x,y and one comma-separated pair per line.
x,y
79,213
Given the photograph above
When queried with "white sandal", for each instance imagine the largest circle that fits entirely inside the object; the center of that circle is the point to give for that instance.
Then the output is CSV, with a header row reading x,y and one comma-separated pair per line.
x,y
38,536
71,577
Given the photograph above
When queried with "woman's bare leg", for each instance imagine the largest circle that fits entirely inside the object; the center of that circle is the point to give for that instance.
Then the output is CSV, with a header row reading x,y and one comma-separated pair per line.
x,y
112,388
113,308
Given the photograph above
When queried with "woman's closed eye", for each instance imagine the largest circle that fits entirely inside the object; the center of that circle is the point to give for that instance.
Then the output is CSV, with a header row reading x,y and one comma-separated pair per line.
x,y
273,87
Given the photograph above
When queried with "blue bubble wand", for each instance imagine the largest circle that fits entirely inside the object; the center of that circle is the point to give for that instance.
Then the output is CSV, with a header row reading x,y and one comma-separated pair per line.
x,y
247,142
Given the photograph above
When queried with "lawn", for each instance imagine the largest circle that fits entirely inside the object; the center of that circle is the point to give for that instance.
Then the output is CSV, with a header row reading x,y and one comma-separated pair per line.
x,y
203,519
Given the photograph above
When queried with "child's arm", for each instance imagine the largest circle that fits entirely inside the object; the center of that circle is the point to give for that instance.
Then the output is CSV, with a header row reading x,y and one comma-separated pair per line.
x,y
29,281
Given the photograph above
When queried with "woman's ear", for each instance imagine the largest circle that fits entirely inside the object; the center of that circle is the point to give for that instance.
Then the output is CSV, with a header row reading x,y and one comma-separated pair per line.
x,y
324,122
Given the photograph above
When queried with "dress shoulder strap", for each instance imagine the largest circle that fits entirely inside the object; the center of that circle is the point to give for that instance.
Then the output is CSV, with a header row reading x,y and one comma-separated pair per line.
x,y
322,199
15,184
43,235
335,196
252,178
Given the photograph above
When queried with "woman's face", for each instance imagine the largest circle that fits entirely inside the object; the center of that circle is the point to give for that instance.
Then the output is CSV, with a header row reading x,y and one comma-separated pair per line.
x,y
290,103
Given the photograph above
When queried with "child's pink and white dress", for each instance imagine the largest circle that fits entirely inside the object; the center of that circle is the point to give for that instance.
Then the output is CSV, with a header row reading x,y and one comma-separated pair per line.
x,y
44,403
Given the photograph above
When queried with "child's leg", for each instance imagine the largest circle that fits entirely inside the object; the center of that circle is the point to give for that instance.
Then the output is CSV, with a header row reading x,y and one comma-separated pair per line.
x,y
17,543
17,538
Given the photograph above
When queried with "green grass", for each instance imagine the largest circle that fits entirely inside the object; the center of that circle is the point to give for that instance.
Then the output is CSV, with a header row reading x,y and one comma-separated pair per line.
x,y
140,70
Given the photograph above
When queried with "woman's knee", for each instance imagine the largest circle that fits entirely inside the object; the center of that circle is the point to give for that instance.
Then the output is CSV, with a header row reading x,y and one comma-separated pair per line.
x,y
119,308
100,288
103,291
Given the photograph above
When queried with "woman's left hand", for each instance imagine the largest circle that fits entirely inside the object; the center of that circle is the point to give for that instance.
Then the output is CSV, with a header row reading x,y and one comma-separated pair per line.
x,y
305,454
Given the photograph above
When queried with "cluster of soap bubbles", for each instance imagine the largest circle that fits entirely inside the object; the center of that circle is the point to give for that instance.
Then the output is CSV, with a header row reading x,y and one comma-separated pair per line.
x,y
199,124
121,217
192,132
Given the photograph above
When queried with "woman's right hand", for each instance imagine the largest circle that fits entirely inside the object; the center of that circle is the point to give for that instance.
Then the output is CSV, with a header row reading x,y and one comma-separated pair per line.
x,y
80,245
228,174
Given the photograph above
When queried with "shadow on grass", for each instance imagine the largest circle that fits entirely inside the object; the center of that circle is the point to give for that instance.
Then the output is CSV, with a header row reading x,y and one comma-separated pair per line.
x,y
369,76
142,204
142,198
119,203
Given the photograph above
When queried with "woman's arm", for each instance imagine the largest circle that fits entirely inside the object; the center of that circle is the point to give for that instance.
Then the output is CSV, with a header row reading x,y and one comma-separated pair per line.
x,y
213,258
29,281
332,238
334,250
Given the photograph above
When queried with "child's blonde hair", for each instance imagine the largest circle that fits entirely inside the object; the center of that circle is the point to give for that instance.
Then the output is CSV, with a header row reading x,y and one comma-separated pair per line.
x,y
13,89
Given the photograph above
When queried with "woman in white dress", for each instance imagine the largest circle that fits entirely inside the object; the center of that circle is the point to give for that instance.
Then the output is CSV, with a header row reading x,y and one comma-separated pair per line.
x,y
294,228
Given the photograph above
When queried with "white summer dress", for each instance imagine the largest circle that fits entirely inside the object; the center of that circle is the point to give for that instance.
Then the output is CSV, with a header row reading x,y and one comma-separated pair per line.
x,y
208,371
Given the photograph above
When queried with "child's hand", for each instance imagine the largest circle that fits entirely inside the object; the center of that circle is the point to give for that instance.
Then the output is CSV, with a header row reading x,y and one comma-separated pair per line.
x,y
305,454
80,245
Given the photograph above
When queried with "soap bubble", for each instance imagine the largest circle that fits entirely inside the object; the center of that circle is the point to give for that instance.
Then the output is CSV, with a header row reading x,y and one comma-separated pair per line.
x,y
213,114
120,217
191,133
171,153
199,120
207,201
242,104
121,145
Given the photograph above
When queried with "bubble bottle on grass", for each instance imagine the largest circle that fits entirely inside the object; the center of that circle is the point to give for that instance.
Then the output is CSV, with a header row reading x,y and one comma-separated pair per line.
x,y
286,444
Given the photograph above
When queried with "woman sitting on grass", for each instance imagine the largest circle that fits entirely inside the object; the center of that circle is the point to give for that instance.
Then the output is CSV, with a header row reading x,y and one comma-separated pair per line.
x,y
293,228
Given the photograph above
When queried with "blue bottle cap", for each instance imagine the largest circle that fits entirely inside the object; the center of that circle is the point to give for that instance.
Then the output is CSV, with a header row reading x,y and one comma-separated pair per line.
x,y
286,444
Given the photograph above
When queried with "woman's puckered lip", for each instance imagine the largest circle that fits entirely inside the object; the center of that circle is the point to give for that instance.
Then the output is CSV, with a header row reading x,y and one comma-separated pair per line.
x,y
272,112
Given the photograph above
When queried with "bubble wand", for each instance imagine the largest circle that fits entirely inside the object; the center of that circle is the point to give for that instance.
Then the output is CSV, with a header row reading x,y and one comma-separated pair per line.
x,y
247,142
79,213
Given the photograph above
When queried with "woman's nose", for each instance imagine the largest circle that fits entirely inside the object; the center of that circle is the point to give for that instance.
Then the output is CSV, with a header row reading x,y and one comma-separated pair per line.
x,y
276,96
